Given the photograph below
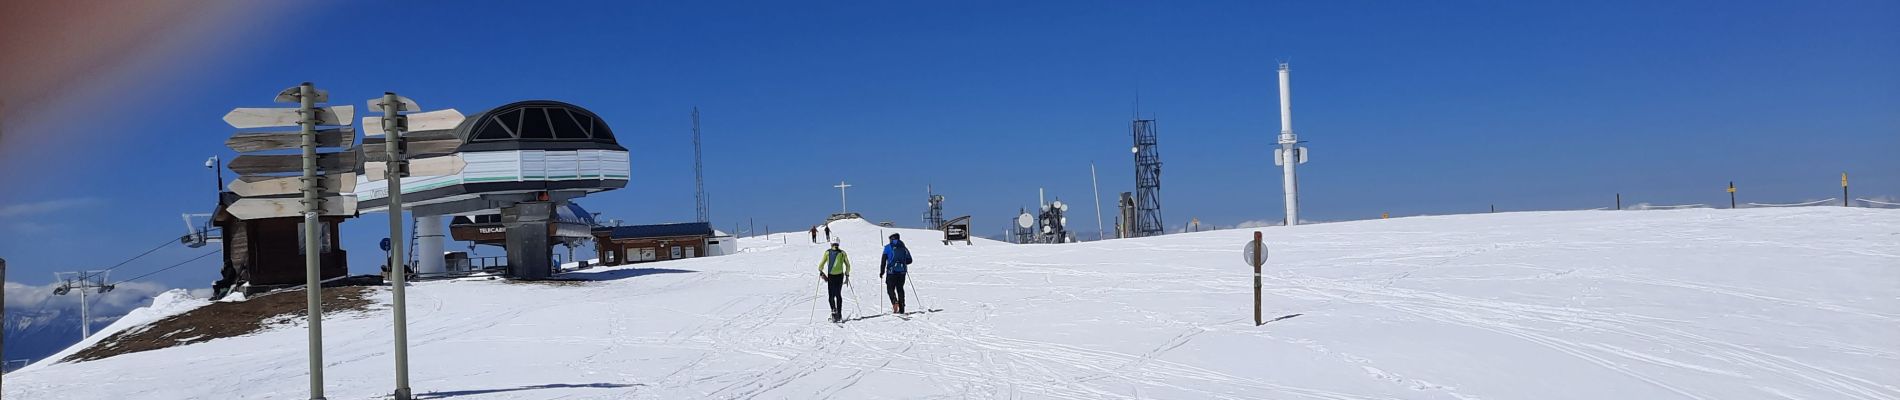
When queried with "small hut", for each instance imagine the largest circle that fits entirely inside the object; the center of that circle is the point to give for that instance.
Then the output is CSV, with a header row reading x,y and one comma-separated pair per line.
x,y
267,254
644,243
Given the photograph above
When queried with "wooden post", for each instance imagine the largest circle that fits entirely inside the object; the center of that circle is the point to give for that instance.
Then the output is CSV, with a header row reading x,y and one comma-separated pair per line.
x,y
1258,258
1844,189
1619,201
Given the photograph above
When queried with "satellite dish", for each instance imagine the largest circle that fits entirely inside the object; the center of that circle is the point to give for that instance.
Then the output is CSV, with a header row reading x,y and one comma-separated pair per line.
x,y
1045,229
1136,150
1065,208
1057,205
1045,207
1065,221
1025,220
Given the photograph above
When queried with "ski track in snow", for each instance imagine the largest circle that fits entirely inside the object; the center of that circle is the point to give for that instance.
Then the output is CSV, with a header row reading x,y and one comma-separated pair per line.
x,y
1691,304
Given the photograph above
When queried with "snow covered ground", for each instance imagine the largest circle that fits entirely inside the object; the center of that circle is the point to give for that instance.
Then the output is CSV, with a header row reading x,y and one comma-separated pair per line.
x,y
1694,304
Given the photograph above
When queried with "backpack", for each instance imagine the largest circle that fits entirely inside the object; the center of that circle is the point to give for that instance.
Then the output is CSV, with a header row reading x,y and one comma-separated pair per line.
x,y
900,254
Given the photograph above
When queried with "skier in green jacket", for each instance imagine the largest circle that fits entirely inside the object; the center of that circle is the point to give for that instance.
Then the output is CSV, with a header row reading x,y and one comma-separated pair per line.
x,y
835,270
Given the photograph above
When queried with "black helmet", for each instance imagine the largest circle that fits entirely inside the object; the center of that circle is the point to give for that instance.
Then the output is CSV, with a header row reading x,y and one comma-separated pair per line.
x,y
893,236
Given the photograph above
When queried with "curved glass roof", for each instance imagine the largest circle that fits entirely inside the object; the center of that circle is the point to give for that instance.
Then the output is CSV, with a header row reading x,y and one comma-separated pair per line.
x,y
537,121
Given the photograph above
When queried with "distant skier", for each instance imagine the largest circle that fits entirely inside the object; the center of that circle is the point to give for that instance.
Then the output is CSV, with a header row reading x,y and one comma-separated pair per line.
x,y
827,232
835,270
894,265
814,233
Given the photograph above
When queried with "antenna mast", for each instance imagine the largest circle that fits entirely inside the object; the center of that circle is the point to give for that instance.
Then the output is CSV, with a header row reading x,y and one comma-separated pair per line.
x,y
1289,153
1147,179
699,176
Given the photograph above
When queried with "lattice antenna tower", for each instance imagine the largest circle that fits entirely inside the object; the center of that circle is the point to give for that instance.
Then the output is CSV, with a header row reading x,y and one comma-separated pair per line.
x,y
1147,178
933,218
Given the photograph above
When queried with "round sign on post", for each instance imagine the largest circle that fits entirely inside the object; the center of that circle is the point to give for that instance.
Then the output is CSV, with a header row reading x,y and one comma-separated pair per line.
x,y
1255,254
1248,252
385,244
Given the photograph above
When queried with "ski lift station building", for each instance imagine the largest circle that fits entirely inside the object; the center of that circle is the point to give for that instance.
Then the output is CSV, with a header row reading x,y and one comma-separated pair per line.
x,y
547,150
522,159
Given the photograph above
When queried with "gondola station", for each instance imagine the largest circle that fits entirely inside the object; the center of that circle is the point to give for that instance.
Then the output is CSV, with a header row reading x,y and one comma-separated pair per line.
x,y
514,165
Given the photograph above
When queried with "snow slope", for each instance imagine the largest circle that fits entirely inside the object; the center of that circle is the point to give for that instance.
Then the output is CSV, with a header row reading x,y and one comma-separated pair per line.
x,y
1692,304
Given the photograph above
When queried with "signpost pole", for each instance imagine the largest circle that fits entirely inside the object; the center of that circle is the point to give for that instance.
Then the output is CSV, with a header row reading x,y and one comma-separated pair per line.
x,y
1844,189
1731,194
392,138
3,314
1258,254
312,253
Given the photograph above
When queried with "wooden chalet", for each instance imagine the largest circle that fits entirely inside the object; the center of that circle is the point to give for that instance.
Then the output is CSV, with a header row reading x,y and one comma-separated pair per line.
x,y
643,243
266,254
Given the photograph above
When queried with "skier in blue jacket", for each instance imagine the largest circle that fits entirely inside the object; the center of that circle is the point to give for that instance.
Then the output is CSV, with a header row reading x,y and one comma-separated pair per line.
x,y
893,268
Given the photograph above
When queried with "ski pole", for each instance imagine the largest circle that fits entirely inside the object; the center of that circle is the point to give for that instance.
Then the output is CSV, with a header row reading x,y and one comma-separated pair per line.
x,y
913,293
858,302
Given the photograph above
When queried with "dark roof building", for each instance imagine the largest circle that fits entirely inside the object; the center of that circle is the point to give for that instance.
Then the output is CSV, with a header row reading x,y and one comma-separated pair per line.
x,y
643,243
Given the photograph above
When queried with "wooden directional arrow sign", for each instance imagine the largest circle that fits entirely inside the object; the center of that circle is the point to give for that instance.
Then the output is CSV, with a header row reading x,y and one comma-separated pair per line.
x,y
255,186
253,208
260,141
418,122
248,164
432,166
247,117
412,149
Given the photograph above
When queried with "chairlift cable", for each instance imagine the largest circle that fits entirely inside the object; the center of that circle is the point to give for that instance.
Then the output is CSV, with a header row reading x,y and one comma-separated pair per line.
x,y
201,256
167,242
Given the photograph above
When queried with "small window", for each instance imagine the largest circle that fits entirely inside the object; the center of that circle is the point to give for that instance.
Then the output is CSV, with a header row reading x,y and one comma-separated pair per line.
x,y
586,122
534,124
602,134
565,127
493,130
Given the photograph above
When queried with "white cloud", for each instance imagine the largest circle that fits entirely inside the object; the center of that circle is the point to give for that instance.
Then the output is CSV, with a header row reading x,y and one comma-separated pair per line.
x,y
45,207
1258,223
123,298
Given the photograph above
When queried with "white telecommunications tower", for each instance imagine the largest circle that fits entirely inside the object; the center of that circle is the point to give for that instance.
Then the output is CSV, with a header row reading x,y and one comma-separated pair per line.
x,y
1290,153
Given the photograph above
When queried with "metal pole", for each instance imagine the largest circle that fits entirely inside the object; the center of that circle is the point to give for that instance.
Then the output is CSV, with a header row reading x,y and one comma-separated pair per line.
x,y
3,317
1256,278
392,138
1099,232
1731,194
312,259
1619,201
1289,144
85,316
1844,189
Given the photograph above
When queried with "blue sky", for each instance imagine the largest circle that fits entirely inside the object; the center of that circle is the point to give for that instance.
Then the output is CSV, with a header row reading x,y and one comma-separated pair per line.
x,y
1409,108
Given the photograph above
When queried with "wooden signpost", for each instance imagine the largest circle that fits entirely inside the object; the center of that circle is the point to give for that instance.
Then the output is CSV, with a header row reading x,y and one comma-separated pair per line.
x,y
438,120
272,207
260,186
1255,254
264,195
390,166
257,164
432,166
244,118
260,141
412,148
